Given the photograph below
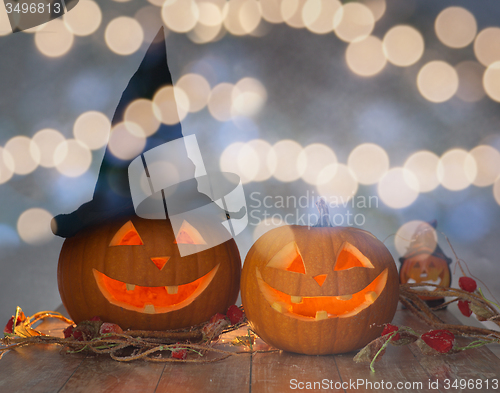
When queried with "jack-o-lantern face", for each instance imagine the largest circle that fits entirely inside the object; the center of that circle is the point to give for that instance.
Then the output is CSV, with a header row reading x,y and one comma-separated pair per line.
x,y
425,268
130,272
319,290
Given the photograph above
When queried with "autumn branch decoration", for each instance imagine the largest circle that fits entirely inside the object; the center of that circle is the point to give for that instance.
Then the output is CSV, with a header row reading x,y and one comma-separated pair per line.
x,y
188,345
440,340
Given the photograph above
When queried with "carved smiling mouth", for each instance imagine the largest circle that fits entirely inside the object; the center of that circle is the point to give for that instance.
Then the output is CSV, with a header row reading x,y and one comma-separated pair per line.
x,y
425,281
313,308
151,300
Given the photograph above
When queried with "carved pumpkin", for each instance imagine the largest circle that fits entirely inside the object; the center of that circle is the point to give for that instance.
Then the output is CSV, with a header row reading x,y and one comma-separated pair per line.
x,y
319,290
129,271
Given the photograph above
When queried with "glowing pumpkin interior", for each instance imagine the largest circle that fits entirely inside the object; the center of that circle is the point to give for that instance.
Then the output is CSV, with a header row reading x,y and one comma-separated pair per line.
x,y
152,300
311,308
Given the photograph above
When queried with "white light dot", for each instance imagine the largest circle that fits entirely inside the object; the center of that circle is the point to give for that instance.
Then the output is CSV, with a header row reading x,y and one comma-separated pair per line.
x,y
248,97
318,15
220,102
46,141
197,90
403,45
124,35
92,128
437,81
341,186
262,150
54,39
406,233
456,27
126,142
313,159
398,188
33,226
141,113
72,158
366,57
24,154
7,165
353,22
423,164
180,15
171,105
456,170
488,165
84,18
369,162
491,81
487,46
283,160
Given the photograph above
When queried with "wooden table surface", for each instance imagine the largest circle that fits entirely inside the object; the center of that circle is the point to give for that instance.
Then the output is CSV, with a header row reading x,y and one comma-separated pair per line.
x,y
43,368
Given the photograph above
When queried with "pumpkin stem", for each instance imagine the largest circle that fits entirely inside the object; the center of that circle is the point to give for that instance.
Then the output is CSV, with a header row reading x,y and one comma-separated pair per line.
x,y
324,214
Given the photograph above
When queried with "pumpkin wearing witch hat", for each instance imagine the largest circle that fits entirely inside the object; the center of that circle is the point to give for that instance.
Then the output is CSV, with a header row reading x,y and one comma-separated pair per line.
x,y
425,262
130,270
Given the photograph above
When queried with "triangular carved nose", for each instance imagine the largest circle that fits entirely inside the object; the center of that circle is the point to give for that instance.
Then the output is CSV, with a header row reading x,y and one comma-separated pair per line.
x,y
160,261
320,279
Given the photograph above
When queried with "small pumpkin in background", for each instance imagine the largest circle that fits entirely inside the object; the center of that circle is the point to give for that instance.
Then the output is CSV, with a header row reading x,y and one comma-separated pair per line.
x,y
129,271
425,262
319,290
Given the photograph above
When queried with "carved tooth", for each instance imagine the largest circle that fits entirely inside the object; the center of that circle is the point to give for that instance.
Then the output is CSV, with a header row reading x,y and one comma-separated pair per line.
x,y
172,290
130,287
321,315
296,299
278,306
149,309
371,296
345,297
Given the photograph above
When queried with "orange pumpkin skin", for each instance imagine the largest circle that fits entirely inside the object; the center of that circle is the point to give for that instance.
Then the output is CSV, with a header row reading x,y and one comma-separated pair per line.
x,y
280,303
87,258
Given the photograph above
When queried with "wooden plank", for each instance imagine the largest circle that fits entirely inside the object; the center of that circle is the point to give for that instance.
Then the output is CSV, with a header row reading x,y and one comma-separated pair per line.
x,y
37,368
479,363
99,374
228,375
282,371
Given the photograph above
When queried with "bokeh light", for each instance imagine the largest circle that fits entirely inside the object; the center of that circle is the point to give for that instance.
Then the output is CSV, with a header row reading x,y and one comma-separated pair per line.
x,y
92,128
377,7
197,90
353,22
283,160
271,11
84,19
491,81
53,39
456,27
403,45
437,81
369,162
470,81
291,12
242,159
220,101
398,188
313,159
7,165
180,15
126,142
423,164
25,155
141,113
487,46
46,142
342,185
456,169
488,165
171,105
209,24
248,97
33,226
406,232
366,57
262,151
72,158
124,35
318,15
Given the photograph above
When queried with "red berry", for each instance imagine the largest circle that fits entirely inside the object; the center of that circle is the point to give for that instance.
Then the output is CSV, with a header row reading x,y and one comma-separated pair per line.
x,y
467,284
179,353
388,329
108,327
77,335
235,315
68,332
463,306
440,340
217,317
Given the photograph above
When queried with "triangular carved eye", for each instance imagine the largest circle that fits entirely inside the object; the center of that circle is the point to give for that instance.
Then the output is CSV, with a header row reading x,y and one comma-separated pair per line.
x,y
127,235
189,235
349,257
289,259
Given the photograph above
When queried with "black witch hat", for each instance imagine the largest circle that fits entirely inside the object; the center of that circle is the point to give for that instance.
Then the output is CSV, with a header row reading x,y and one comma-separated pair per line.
x,y
112,195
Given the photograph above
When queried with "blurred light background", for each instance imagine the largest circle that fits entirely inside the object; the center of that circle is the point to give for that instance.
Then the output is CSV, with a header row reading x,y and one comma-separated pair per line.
x,y
388,108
